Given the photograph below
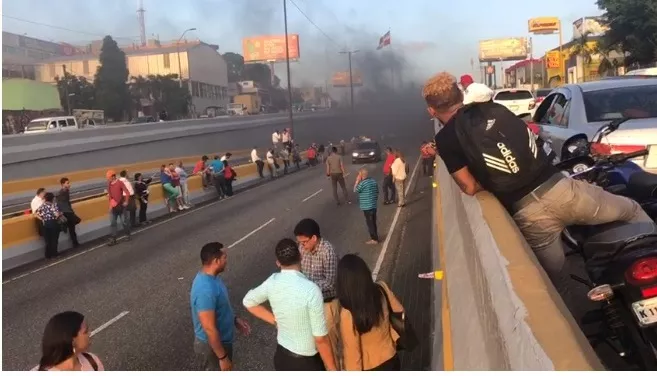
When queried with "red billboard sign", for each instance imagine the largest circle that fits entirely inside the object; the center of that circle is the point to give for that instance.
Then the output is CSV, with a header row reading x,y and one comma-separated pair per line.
x,y
270,48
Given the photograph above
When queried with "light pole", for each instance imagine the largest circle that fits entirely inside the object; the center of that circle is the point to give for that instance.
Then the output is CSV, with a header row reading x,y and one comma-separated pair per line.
x,y
178,53
351,78
287,63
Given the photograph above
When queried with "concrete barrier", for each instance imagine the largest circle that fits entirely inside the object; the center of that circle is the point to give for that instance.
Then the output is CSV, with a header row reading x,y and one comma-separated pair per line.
x,y
499,309
21,243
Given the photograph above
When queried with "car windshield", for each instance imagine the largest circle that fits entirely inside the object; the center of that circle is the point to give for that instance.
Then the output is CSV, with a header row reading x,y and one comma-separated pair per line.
x,y
366,145
37,125
621,102
514,95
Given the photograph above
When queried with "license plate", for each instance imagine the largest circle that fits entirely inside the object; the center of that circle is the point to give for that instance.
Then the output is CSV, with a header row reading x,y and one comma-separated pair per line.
x,y
651,160
513,108
646,311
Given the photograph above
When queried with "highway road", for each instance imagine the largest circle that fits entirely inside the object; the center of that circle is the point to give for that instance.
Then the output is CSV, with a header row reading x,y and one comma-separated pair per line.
x,y
135,295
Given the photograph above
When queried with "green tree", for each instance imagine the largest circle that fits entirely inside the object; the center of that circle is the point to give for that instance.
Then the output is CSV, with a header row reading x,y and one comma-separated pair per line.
x,y
235,64
258,73
164,92
583,49
81,94
112,93
632,29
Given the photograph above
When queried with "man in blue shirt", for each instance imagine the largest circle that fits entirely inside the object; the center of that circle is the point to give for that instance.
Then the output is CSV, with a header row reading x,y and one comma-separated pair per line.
x,y
212,315
297,311
217,166
368,196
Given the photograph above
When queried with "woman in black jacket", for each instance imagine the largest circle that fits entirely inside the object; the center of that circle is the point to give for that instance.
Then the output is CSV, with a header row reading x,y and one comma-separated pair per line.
x,y
141,190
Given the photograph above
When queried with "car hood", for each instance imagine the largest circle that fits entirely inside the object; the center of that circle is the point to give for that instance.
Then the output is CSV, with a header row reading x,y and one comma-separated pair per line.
x,y
364,150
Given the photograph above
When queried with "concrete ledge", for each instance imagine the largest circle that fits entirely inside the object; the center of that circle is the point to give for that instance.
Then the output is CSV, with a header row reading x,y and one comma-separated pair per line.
x,y
503,312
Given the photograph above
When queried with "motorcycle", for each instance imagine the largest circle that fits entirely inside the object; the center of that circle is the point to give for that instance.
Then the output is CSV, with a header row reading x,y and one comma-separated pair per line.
x,y
620,258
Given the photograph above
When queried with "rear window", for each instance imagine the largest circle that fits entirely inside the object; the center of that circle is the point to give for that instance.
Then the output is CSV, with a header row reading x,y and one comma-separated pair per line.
x,y
621,102
366,145
543,92
513,95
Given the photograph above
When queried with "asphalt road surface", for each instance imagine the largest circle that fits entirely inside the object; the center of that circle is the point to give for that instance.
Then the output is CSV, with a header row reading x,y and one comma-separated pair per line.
x,y
136,294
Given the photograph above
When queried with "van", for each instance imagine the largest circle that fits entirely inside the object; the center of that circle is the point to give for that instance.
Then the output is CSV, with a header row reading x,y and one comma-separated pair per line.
x,y
52,124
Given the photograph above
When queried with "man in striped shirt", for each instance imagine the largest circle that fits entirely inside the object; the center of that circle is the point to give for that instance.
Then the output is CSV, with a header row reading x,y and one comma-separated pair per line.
x,y
368,196
297,312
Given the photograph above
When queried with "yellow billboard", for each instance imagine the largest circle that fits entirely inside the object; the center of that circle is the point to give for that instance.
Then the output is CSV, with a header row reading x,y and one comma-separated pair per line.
x,y
552,59
507,49
269,48
543,25
341,79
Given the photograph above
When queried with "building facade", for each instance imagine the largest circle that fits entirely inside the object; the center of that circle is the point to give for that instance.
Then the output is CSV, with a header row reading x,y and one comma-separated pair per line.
x,y
200,65
22,54
519,75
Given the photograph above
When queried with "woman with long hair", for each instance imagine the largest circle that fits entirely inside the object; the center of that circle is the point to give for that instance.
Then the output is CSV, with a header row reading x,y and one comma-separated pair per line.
x,y
64,345
368,339
399,172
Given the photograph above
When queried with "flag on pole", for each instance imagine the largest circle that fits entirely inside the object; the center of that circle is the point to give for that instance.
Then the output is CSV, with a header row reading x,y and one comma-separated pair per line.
x,y
384,40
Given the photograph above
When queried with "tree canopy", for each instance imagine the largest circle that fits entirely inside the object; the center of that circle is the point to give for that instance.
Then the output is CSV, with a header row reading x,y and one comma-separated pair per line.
x,y
164,92
632,29
81,93
112,93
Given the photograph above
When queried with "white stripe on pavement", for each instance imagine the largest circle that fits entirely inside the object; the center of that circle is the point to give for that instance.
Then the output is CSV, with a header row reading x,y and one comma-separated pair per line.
x,y
386,242
312,195
105,325
243,238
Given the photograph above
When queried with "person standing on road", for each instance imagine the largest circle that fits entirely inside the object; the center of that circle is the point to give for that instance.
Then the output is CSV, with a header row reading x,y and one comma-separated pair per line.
x,y
64,204
50,217
286,138
117,193
201,168
64,345
335,170
389,192
428,156
212,314
275,139
258,162
271,163
184,187
399,172
368,197
296,156
297,312
284,154
540,199
368,339
217,166
319,262
131,198
230,176
142,193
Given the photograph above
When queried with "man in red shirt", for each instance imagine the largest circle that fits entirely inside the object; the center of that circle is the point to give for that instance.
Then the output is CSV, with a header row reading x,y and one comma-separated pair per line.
x,y
200,168
388,184
117,192
428,155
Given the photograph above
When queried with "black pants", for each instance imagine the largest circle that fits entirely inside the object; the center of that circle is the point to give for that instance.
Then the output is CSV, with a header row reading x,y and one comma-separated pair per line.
x,y
260,165
132,210
143,206
427,166
286,360
388,189
392,364
335,180
70,224
228,187
370,219
219,182
51,230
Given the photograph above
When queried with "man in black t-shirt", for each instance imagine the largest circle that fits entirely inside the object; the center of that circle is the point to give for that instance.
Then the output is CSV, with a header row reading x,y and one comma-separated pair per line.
x,y
542,202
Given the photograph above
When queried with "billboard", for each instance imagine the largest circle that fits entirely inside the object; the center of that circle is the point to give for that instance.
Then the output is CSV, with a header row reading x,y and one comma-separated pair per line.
x,y
269,48
341,79
592,26
552,59
508,49
543,25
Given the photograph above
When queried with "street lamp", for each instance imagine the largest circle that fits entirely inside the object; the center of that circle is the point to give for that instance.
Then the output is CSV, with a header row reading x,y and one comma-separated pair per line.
x,y
287,63
351,78
178,53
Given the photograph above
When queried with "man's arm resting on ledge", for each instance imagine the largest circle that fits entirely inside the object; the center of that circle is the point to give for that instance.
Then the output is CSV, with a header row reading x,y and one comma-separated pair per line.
x,y
468,184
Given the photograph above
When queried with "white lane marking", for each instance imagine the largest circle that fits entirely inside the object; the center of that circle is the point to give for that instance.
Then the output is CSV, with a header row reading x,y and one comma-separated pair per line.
x,y
386,242
243,238
312,195
105,325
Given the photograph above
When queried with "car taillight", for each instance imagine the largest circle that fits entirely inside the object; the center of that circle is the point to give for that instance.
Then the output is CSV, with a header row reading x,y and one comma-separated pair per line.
x,y
609,149
539,99
532,104
643,271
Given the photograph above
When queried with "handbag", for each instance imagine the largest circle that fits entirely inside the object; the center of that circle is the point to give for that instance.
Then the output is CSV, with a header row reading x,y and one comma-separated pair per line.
x,y
399,322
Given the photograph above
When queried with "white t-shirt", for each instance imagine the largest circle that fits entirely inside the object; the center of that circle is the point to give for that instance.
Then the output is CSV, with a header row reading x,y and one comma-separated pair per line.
x,y
275,138
36,203
398,169
128,185
285,137
270,157
254,155
84,363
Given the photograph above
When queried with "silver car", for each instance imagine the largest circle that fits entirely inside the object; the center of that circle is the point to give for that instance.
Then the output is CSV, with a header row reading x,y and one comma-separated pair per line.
x,y
571,114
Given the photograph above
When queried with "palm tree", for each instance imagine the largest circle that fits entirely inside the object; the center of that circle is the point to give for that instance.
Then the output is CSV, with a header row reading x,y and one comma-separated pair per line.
x,y
582,48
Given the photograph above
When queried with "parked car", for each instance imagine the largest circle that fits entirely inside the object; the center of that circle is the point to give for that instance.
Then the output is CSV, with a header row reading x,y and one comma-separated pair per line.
x,y
52,124
572,113
519,101
367,151
541,94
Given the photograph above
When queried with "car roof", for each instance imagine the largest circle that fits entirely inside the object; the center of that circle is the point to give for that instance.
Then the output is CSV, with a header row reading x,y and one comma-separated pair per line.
x,y
510,89
53,118
611,84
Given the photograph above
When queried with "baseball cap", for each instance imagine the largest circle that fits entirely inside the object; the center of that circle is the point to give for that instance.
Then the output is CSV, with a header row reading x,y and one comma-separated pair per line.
x,y
109,174
466,79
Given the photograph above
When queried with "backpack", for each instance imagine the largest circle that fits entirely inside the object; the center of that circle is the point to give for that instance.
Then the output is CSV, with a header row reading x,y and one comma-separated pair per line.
x,y
501,149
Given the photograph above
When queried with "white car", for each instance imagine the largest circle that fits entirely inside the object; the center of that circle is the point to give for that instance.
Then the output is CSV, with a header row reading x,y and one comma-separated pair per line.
x,y
519,101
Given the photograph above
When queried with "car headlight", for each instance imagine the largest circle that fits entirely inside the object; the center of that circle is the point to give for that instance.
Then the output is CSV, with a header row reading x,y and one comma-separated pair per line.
x,y
354,154
371,153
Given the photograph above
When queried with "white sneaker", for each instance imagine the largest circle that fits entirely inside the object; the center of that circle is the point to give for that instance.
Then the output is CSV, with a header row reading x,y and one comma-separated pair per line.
x,y
186,207
180,208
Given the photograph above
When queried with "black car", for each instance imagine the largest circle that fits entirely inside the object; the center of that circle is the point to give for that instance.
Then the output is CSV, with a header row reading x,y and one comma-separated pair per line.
x,y
366,151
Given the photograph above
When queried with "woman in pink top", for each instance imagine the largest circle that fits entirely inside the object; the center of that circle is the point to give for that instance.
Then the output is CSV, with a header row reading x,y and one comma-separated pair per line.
x,y
64,345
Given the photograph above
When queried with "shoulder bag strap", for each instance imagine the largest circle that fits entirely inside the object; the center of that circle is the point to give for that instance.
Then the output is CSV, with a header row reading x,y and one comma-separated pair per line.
x,y
91,360
385,296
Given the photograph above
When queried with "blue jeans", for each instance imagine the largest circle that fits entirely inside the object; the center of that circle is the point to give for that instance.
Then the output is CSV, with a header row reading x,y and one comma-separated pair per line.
x,y
122,215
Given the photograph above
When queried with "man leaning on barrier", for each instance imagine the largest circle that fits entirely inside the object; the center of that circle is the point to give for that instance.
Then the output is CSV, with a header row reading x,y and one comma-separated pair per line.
x,y
485,147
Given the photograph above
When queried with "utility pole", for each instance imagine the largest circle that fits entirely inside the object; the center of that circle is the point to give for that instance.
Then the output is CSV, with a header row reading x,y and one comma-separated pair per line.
x,y
180,78
287,63
351,76
68,96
